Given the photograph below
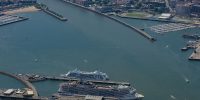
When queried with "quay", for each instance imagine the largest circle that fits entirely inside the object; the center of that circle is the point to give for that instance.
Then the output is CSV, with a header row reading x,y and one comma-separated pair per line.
x,y
50,12
38,78
9,19
25,82
146,35
196,54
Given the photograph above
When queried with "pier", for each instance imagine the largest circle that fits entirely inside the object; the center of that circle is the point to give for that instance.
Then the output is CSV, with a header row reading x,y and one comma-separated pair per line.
x,y
38,78
146,35
50,12
25,82
9,19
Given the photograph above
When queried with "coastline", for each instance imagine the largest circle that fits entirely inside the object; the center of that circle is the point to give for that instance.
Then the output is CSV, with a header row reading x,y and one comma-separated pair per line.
x,y
22,10
146,35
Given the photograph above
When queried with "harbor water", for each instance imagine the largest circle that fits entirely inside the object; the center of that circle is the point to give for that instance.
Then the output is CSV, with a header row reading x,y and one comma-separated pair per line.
x,y
88,41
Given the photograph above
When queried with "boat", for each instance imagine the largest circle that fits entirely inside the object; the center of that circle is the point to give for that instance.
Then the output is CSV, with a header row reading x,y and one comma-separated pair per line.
x,y
184,48
193,36
83,75
84,88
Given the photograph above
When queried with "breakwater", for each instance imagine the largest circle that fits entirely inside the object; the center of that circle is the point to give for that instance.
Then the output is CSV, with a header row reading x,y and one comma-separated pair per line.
x,y
25,82
50,12
146,35
54,14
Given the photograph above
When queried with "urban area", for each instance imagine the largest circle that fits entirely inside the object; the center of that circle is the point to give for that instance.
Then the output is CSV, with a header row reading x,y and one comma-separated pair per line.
x,y
96,85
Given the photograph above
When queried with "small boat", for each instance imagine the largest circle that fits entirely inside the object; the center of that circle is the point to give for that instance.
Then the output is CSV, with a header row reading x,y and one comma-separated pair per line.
x,y
173,97
184,49
194,36
187,80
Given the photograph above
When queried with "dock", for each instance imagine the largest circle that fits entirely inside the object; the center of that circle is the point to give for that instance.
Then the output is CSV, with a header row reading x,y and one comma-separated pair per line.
x,y
38,78
9,19
196,54
146,35
25,82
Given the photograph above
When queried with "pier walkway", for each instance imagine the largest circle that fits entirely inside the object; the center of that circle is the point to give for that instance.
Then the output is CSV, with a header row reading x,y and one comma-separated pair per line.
x,y
146,35
25,82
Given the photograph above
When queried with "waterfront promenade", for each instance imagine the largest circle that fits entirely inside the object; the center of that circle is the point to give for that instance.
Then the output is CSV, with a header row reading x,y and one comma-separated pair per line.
x,y
146,35
25,82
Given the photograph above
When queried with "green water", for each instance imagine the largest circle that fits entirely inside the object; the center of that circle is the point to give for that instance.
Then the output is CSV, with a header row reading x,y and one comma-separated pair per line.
x,y
88,42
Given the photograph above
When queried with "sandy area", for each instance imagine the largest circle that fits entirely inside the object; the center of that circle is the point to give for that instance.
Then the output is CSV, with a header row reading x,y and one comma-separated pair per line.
x,y
22,10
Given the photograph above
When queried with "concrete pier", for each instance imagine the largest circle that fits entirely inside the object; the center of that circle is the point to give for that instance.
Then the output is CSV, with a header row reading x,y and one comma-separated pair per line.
x,y
25,82
146,35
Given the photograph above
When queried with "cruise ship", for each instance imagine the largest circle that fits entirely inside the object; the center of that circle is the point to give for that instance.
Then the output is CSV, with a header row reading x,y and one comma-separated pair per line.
x,y
83,75
82,88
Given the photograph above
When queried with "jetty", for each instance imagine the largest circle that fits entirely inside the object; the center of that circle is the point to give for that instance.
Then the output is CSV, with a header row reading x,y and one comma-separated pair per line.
x,y
25,82
50,12
196,54
146,35
9,19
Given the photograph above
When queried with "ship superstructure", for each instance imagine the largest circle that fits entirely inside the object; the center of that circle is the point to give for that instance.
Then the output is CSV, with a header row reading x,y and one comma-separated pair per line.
x,y
121,92
83,75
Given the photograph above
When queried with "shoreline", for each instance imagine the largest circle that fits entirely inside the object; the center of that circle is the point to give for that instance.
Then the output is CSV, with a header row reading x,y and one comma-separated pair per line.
x,y
21,10
143,33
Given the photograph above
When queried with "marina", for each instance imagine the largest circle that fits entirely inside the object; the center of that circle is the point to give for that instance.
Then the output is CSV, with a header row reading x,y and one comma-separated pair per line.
x,y
9,19
171,27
